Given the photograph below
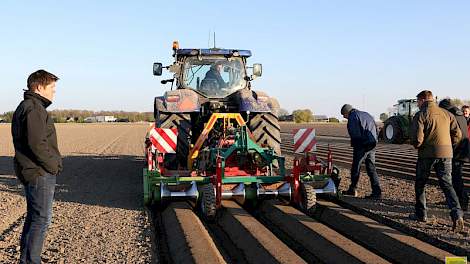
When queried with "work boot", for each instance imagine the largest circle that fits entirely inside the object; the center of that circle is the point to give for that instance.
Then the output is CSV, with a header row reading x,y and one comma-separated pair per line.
x,y
415,217
350,192
374,196
458,225
464,202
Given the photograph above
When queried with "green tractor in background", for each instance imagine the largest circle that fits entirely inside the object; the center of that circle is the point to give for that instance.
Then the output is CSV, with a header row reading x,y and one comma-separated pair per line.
x,y
396,128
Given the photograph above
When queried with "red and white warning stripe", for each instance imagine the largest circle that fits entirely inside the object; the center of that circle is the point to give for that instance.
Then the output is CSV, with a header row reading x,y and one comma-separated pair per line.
x,y
304,140
164,139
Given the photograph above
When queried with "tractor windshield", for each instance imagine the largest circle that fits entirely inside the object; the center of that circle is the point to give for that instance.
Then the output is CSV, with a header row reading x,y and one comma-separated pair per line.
x,y
407,108
214,76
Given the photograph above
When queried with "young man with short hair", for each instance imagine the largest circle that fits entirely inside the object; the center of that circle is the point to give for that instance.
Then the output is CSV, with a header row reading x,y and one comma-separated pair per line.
x,y
37,160
433,132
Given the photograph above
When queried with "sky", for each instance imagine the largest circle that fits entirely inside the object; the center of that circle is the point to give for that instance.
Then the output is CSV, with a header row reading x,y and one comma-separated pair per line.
x,y
315,54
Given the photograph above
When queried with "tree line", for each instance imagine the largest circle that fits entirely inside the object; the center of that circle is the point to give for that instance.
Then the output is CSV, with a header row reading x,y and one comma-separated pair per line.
x,y
61,116
302,116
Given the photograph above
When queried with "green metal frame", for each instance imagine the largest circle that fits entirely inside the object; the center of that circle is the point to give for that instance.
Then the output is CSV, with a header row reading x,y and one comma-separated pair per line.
x,y
152,180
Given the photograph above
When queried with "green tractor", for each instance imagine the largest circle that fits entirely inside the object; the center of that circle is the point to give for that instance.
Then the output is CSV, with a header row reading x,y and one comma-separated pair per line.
x,y
396,128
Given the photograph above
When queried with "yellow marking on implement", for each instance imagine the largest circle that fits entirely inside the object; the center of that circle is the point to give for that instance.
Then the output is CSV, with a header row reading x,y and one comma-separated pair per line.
x,y
207,128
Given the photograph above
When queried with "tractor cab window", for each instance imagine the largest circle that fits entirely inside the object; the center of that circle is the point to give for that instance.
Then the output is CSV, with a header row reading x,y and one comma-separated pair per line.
x,y
214,77
407,108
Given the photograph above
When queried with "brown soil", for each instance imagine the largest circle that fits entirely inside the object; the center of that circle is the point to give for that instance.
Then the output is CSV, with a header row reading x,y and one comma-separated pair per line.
x,y
398,197
98,211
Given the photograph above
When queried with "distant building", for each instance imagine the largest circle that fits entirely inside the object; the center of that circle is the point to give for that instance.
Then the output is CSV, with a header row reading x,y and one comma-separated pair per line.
x,y
320,118
125,120
286,118
105,119
90,119
71,119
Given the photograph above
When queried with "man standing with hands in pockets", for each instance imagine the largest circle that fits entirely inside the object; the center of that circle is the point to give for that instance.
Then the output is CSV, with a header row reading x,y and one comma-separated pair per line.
x,y
37,160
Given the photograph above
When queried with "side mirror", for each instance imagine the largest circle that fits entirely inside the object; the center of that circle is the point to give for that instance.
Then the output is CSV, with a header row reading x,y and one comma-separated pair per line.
x,y
257,69
157,69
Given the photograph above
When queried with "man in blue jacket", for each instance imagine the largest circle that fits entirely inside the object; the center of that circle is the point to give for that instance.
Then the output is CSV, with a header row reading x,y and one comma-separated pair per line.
x,y
363,133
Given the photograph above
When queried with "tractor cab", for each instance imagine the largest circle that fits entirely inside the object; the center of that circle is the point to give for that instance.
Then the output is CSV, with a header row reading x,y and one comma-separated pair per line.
x,y
212,73
405,107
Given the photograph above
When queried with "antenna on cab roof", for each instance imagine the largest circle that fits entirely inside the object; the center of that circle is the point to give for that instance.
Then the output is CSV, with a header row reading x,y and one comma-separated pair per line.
x,y
214,39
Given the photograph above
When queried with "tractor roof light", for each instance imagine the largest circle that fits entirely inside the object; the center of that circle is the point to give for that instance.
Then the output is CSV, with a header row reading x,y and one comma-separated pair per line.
x,y
235,53
176,45
194,52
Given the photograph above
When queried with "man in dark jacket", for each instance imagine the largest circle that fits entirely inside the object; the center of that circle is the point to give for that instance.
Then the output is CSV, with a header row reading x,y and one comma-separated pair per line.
x,y
433,132
363,133
37,160
461,153
466,114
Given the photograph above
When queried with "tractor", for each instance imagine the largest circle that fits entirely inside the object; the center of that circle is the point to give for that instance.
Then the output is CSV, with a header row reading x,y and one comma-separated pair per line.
x,y
396,128
215,138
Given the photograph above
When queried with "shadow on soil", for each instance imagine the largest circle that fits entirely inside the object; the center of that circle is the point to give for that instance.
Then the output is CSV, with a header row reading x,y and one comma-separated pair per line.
x,y
111,181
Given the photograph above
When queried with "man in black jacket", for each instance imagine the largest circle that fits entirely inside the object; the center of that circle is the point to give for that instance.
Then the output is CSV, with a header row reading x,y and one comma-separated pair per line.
x,y
363,133
461,153
37,160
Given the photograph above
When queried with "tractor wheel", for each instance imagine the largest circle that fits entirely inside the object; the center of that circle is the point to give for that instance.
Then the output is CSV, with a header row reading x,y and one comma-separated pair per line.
x,y
308,199
393,131
207,203
266,130
183,123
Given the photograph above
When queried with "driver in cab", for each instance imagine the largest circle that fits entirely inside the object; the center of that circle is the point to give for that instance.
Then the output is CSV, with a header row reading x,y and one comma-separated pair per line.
x,y
214,74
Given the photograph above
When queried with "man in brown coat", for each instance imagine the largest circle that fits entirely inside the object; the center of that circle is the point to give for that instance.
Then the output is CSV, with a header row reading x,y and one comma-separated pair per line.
x,y
433,132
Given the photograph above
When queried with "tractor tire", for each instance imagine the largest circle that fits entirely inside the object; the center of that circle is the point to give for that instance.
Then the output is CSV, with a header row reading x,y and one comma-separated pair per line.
x,y
393,131
308,199
182,122
266,130
207,203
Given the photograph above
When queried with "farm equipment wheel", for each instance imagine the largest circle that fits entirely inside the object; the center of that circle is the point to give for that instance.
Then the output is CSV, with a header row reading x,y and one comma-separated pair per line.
x,y
393,130
308,199
207,203
183,123
266,130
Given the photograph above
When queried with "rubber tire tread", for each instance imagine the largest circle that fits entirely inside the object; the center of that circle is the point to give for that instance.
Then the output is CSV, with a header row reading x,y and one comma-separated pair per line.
x,y
182,122
266,130
308,199
207,202
398,137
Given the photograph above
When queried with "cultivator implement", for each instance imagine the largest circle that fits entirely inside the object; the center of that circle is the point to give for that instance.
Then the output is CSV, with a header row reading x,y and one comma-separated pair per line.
x,y
226,163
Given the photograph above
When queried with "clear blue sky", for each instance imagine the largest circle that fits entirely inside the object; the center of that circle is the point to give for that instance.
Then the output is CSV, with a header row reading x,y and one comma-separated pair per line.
x,y
315,54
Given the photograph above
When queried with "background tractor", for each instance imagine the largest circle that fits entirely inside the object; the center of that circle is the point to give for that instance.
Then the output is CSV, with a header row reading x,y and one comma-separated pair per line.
x,y
396,128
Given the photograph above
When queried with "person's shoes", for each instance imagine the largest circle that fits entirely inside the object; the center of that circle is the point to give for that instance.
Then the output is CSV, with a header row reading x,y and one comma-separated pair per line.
x,y
374,196
350,192
458,225
464,203
422,219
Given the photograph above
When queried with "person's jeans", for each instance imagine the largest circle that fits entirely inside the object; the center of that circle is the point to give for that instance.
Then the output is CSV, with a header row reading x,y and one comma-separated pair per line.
x,y
361,154
443,169
457,182
39,197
